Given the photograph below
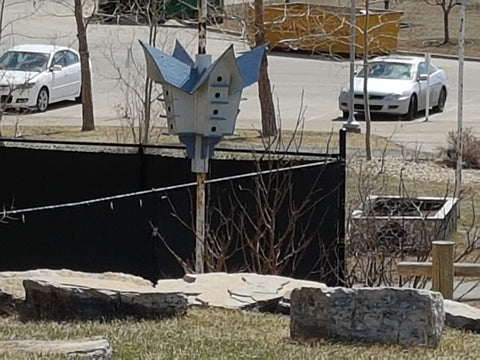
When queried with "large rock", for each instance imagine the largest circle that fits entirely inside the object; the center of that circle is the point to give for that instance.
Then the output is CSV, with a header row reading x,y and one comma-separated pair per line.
x,y
384,315
12,292
58,300
94,348
462,316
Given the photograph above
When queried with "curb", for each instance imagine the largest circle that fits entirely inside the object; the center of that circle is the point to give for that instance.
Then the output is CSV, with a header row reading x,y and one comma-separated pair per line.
x,y
438,56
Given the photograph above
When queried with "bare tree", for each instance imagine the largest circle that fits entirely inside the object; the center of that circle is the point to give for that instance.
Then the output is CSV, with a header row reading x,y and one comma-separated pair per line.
x,y
141,95
258,223
446,6
269,125
245,234
88,121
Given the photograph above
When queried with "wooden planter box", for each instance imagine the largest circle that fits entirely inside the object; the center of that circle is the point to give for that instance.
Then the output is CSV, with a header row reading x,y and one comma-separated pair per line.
x,y
398,224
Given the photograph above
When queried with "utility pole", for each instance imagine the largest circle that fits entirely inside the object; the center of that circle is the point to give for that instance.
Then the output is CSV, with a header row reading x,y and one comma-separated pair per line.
x,y
352,125
461,55
427,100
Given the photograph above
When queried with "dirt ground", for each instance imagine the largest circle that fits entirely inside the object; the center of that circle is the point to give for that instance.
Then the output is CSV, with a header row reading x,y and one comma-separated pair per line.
x,y
425,25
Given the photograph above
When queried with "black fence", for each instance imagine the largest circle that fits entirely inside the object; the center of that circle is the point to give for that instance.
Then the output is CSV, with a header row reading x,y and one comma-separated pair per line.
x,y
131,209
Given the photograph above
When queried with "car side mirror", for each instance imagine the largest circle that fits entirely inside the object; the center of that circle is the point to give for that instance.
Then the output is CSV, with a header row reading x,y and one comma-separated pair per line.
x,y
55,67
423,77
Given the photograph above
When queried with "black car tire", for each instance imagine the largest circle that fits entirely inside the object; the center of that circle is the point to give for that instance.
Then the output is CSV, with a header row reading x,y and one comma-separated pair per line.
x,y
42,99
442,99
412,108
345,114
78,99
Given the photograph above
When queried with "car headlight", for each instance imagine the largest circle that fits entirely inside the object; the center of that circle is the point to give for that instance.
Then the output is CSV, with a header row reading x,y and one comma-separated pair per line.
x,y
392,97
26,86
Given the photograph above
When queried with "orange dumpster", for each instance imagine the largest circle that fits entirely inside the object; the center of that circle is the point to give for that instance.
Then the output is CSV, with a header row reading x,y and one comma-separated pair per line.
x,y
326,29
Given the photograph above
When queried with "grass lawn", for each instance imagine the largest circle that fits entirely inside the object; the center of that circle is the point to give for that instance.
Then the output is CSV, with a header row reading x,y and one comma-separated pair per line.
x,y
226,334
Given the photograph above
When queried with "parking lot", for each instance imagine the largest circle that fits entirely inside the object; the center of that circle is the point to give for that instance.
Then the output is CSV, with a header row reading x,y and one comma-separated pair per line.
x,y
305,87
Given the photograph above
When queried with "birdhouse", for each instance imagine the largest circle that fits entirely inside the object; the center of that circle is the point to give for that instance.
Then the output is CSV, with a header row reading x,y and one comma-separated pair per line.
x,y
202,98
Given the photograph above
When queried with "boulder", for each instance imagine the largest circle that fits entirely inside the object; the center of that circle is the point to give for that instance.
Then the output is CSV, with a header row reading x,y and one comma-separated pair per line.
x,y
462,316
59,300
383,315
96,347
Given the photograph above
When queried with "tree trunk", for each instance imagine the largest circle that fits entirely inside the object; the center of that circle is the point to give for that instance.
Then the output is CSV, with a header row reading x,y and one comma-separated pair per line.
x,y
88,122
2,11
269,124
446,32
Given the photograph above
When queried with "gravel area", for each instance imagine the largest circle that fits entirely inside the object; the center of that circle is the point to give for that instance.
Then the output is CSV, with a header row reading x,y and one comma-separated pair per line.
x,y
410,169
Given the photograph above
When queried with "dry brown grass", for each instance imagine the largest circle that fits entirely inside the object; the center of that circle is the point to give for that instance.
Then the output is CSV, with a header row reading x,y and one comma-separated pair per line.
x,y
205,333
242,137
425,23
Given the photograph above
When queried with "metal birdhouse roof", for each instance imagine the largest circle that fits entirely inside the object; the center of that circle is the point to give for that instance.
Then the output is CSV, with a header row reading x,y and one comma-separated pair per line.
x,y
179,69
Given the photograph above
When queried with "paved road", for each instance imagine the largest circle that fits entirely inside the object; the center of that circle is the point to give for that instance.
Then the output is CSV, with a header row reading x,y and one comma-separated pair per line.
x,y
305,87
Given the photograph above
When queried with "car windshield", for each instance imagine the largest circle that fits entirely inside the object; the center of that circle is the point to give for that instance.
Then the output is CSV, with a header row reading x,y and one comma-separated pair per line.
x,y
388,70
24,61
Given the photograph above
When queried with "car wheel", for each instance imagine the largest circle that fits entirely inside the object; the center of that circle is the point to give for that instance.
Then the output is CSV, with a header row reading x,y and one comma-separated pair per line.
x,y
345,114
442,99
412,108
78,99
42,100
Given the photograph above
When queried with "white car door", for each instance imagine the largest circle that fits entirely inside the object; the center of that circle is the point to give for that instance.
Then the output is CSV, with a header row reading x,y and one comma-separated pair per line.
x,y
59,86
434,83
73,74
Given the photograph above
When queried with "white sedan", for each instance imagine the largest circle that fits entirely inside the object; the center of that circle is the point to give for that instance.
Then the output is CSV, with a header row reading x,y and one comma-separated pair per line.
x,y
34,76
397,85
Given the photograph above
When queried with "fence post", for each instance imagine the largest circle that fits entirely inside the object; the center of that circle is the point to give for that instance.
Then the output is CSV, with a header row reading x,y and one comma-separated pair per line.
x,y
442,268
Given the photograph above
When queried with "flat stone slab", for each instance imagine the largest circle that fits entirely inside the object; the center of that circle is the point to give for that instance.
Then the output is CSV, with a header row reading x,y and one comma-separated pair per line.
x,y
94,348
102,299
234,291
462,316
12,291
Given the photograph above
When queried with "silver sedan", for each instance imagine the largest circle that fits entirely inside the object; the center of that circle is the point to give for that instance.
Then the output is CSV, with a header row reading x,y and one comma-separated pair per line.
x,y
397,85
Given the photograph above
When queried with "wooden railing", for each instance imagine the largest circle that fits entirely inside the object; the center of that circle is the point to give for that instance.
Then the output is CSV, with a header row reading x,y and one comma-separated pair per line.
x,y
442,269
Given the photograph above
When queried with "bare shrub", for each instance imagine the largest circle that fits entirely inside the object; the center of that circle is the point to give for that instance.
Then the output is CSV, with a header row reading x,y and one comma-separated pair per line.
x,y
471,150
376,246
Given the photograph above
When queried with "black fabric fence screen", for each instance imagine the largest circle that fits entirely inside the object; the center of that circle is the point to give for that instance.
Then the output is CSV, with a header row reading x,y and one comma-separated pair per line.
x,y
151,234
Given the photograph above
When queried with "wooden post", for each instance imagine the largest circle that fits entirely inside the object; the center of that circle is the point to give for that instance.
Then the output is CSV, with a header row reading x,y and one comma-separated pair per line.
x,y
200,224
442,268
